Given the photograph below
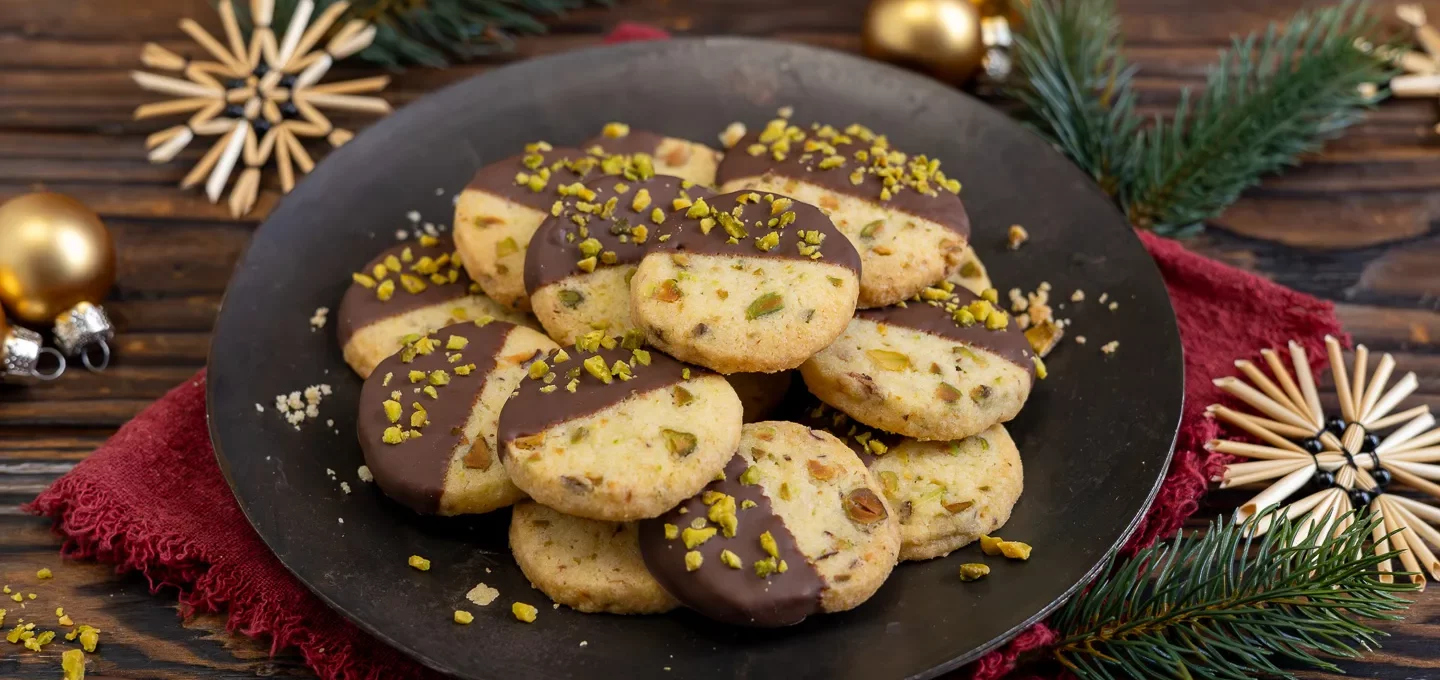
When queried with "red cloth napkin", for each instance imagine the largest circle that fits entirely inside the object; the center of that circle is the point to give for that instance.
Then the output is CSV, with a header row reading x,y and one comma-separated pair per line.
x,y
152,500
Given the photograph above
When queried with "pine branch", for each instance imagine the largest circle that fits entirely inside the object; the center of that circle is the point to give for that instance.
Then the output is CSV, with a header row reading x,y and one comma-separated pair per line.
x,y
1271,98
1229,605
438,32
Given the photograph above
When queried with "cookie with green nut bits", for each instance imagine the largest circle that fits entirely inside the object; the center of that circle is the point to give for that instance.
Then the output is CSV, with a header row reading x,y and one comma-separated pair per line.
x,y
746,282
585,564
428,415
796,526
942,366
946,494
580,262
681,158
901,212
607,430
406,291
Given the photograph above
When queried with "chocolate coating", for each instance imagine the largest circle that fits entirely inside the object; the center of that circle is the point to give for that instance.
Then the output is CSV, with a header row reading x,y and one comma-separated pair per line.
x,y
413,471
944,208
735,596
530,411
554,251
686,235
1009,343
637,141
498,178
361,306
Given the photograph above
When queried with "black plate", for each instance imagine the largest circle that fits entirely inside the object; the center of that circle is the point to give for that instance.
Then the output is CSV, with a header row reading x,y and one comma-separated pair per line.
x,y
1095,437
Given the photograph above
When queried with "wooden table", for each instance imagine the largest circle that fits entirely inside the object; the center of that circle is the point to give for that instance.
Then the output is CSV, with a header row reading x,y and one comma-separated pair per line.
x,y
1354,225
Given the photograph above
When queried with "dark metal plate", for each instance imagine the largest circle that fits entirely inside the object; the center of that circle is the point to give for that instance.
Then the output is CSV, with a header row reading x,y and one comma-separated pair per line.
x,y
1095,437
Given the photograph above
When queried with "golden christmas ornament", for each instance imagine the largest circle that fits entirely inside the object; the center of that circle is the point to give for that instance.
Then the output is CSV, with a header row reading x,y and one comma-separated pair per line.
x,y
57,264
940,37
260,98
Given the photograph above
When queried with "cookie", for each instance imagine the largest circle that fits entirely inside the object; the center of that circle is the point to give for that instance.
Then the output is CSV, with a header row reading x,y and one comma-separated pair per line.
x,y
579,263
941,367
672,156
506,202
797,526
427,289
971,273
428,416
746,282
585,564
901,212
945,494
610,433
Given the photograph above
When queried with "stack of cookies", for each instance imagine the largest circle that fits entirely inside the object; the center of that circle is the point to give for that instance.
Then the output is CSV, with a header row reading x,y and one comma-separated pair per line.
x,y
607,344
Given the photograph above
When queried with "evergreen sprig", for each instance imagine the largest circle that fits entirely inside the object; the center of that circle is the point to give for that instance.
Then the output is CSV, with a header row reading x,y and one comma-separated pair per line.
x,y
1228,605
437,32
1270,98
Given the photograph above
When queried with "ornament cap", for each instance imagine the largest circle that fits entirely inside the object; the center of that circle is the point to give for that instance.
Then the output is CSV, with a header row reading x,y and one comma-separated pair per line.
x,y
20,352
81,328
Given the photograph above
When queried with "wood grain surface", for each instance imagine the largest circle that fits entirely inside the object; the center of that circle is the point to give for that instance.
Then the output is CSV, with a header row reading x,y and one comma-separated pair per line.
x,y
1354,224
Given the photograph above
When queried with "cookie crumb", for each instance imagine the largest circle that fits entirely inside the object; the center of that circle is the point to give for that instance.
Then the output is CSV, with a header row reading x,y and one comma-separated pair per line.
x,y
1103,297
1077,296
1110,347
419,562
259,408
345,486
523,612
1016,237
732,135
785,111
413,216
298,407
340,520
317,320
364,473
1079,339
1114,306
439,191
401,234
482,594
584,643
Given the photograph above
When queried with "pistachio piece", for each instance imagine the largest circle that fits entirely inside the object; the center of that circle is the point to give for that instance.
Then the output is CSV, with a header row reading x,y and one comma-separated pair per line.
x,y
871,229
821,471
595,366
1015,550
863,506
679,443
523,612
887,360
694,538
693,560
506,247
750,477
974,571
571,298
947,393
682,396
668,291
957,507
990,545
766,304
730,559
479,457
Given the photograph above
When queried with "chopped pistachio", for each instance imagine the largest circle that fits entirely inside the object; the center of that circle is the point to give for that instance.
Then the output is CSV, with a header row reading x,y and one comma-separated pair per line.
x,y
766,304
363,279
393,410
668,291
863,506
889,360
385,290
671,531
463,617
523,612
456,342
392,435
1015,550
768,241
767,542
730,559
750,476
990,545
538,369
974,571
419,562
693,537
693,560
679,443
507,246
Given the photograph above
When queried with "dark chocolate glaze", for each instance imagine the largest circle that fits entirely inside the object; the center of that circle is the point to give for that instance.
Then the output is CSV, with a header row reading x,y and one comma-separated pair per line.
x,y
637,141
530,411
944,209
361,307
413,471
685,234
819,416
1008,343
498,178
552,257
735,596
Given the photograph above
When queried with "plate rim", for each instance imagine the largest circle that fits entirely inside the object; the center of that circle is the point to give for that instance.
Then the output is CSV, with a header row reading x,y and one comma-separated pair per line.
x,y
430,98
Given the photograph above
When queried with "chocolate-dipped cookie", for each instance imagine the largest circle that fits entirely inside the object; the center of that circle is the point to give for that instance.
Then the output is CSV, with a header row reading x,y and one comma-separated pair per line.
x,y
901,212
945,494
579,264
585,564
428,416
408,290
796,527
746,282
506,201
943,366
681,158
613,432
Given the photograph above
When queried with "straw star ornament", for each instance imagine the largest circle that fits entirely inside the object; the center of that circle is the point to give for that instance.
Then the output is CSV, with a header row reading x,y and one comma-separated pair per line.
x,y
1346,459
260,97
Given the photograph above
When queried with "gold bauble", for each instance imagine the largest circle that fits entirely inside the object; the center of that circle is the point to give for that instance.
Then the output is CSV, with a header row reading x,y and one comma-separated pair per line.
x,y
939,37
54,254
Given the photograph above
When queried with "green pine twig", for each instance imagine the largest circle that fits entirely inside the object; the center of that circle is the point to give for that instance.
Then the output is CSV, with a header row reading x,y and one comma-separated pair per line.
x,y
1231,606
1270,98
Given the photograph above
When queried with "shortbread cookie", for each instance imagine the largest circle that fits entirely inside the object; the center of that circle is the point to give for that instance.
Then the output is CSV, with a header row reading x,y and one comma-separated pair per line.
x,y
585,564
672,156
505,203
746,282
762,394
796,527
617,434
971,273
901,212
945,494
428,416
408,290
942,368
580,261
